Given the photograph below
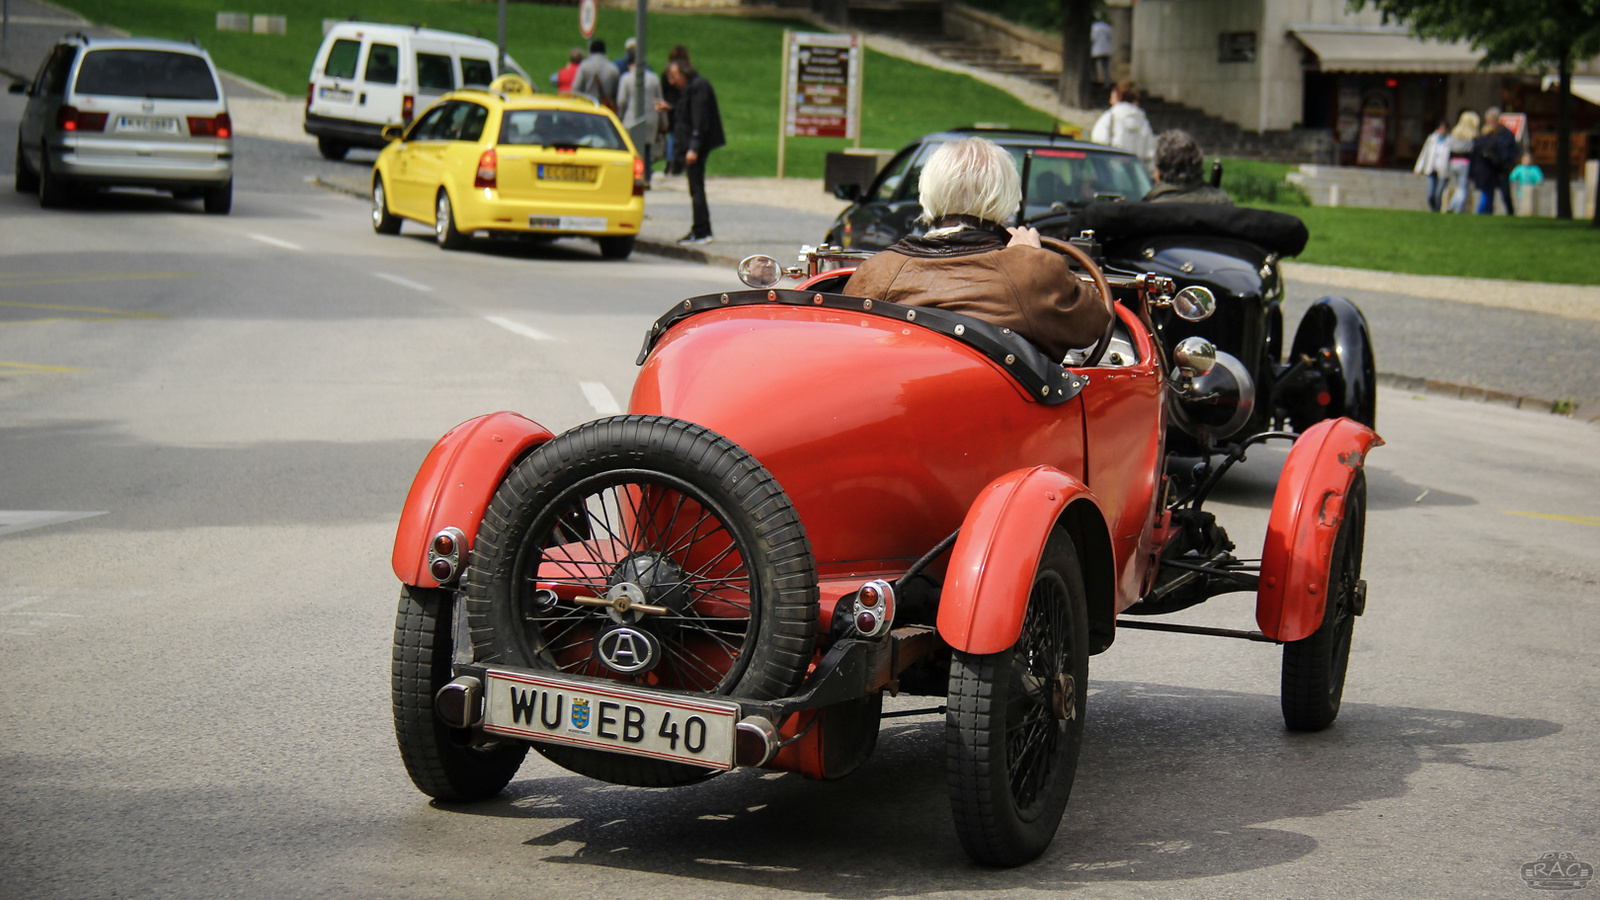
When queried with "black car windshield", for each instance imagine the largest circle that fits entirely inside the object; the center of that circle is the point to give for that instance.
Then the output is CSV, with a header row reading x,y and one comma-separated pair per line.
x,y
559,128
1060,178
158,74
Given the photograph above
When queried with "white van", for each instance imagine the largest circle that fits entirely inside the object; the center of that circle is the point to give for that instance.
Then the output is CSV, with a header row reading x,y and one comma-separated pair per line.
x,y
367,76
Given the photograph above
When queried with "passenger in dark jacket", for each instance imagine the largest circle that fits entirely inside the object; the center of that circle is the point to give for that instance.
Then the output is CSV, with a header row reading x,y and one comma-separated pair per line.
x,y
1494,155
696,130
1179,176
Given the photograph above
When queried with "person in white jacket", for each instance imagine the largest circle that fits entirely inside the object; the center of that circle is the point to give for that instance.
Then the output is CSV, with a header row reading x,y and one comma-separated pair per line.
x,y
1124,125
1434,162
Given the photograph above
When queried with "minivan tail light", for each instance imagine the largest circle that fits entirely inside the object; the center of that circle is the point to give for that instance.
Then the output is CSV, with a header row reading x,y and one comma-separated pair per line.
x,y
68,118
488,169
220,127
311,90
638,176
408,105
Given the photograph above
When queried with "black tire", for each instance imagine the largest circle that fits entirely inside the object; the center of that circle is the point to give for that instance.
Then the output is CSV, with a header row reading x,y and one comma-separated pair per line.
x,y
219,200
1314,668
332,149
441,761
616,247
52,190
1012,753
746,543
27,178
383,221
444,223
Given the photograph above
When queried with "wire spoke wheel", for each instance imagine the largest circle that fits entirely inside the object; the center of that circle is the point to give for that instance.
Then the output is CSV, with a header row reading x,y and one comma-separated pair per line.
x,y
1314,668
650,551
1014,722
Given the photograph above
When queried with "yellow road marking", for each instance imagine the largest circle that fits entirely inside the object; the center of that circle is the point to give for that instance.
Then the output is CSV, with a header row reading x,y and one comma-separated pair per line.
x,y
32,279
62,307
1576,520
35,367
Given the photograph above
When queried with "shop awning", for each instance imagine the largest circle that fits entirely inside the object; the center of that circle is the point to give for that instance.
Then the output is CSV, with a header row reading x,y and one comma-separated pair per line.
x,y
1345,49
1584,87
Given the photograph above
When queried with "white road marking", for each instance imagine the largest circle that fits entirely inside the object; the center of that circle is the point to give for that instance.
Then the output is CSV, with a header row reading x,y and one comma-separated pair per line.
x,y
15,520
404,282
519,328
600,398
273,241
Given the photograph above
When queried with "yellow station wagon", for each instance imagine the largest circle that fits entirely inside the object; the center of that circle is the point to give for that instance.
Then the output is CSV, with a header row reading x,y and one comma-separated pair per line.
x,y
514,163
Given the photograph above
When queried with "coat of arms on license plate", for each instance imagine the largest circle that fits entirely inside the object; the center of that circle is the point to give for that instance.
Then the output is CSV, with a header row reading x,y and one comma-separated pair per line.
x,y
580,714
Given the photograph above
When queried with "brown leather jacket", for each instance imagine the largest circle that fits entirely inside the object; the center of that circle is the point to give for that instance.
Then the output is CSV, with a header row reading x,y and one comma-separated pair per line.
x,y
1026,289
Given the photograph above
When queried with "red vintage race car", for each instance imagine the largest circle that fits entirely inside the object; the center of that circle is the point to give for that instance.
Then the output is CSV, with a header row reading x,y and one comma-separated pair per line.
x,y
816,498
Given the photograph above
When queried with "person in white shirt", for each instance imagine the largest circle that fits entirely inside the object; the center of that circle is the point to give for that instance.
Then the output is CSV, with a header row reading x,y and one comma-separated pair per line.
x,y
1100,50
1434,162
1124,125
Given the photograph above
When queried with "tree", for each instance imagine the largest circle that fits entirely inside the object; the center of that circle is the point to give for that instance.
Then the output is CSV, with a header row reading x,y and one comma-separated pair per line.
x,y
1076,17
1532,33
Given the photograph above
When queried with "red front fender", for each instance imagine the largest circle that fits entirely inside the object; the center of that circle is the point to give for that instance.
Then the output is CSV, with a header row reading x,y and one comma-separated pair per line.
x,y
993,563
455,483
1306,512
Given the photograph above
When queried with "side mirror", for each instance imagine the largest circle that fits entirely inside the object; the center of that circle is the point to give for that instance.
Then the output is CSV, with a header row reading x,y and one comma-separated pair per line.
x,y
1193,357
760,271
1194,303
17,87
393,131
851,192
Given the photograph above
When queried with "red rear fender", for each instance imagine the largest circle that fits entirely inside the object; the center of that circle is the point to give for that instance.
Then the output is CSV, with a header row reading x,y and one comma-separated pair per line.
x,y
455,483
1306,512
993,562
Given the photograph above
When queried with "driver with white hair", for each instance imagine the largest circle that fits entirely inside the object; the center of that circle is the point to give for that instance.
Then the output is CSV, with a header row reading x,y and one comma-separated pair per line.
x,y
967,264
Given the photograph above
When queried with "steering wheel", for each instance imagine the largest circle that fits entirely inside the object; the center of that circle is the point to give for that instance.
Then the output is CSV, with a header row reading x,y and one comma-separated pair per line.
x,y
1071,251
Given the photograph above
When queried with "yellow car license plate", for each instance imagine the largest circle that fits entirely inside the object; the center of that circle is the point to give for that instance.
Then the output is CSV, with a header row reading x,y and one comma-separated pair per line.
x,y
554,172
620,719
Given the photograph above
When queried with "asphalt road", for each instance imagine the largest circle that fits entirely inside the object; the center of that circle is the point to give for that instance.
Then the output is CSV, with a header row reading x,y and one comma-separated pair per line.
x,y
196,692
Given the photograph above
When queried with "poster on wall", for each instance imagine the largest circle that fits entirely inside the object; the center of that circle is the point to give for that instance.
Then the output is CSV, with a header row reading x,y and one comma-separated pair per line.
x,y
1374,130
1349,115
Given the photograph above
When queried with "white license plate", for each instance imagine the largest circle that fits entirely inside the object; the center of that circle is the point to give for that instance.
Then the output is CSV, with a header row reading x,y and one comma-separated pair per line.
x,y
148,124
620,719
338,94
568,223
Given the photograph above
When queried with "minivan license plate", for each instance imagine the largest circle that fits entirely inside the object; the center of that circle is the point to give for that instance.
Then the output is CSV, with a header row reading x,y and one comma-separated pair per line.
x,y
149,125
621,719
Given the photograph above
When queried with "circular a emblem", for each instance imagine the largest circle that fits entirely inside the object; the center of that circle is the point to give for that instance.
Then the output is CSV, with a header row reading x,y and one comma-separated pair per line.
x,y
627,651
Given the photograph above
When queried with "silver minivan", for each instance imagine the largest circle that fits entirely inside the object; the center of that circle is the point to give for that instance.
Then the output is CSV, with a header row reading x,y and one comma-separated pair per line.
x,y
126,112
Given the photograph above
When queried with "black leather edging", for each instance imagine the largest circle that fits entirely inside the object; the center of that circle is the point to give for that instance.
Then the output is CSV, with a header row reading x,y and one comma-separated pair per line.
x,y
1045,379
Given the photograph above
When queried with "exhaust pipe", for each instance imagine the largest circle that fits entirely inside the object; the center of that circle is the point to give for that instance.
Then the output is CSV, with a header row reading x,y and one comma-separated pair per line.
x,y
459,704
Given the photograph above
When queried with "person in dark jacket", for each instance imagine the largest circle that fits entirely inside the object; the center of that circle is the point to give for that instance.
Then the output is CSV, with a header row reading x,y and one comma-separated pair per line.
x,y
1494,155
1179,175
697,130
669,99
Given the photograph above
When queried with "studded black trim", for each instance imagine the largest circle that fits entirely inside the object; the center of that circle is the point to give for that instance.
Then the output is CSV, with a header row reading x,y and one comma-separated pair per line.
x,y
1046,380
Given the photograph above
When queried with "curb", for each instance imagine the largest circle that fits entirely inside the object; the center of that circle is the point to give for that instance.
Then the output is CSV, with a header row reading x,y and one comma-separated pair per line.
x,y
1589,412
687,254
325,184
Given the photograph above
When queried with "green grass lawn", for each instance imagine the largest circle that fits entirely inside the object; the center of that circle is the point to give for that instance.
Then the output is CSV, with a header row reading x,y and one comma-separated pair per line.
x,y
740,56
1426,243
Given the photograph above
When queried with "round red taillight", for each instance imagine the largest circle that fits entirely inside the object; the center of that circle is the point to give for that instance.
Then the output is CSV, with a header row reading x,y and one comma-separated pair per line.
x,y
866,622
444,545
869,596
441,570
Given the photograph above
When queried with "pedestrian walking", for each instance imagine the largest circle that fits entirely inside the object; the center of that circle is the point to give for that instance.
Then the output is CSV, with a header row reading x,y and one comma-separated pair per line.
x,y
630,48
1461,138
1524,179
1100,46
1434,162
697,130
1125,126
597,77
642,110
562,78
1494,154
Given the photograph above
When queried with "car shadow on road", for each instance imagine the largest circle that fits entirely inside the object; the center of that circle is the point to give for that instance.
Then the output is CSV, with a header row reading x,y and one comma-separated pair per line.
x,y
529,248
1161,795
